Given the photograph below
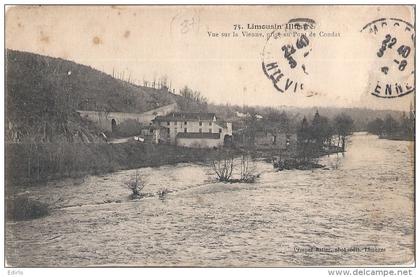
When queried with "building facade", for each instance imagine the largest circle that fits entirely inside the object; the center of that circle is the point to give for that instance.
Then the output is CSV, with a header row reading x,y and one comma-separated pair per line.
x,y
201,130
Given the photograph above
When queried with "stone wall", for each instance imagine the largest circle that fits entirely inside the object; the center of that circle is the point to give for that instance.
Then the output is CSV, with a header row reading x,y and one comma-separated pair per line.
x,y
104,120
199,142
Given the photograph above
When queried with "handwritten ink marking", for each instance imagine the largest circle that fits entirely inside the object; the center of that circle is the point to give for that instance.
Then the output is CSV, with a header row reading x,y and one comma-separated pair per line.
x,y
185,22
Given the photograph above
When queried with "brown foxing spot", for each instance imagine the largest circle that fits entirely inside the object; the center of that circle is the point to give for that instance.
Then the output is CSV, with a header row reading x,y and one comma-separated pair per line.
x,y
127,34
44,38
96,40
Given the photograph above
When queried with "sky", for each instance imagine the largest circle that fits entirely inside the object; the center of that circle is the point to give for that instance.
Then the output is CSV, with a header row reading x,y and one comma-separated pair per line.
x,y
148,42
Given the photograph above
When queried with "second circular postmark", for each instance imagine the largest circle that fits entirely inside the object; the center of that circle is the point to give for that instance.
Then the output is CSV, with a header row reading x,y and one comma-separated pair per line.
x,y
392,72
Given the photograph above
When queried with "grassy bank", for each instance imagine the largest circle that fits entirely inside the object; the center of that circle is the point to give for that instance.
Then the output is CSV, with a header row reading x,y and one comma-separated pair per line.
x,y
37,163
398,137
23,208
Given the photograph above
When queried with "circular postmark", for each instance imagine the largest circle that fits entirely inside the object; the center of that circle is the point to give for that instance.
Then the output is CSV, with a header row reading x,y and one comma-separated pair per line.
x,y
285,54
392,73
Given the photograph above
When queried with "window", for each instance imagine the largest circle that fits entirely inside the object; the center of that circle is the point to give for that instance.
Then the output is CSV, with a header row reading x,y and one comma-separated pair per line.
x,y
210,130
185,122
200,123
199,130
176,130
220,130
185,130
210,123
168,123
175,123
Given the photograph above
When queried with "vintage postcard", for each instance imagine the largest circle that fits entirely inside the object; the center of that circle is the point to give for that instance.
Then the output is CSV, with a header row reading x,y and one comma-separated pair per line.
x,y
209,135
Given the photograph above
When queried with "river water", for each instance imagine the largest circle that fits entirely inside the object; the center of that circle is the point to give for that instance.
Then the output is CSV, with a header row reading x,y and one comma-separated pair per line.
x,y
361,213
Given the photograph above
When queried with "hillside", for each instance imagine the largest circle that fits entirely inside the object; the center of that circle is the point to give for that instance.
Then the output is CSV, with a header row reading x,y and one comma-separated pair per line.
x,y
42,94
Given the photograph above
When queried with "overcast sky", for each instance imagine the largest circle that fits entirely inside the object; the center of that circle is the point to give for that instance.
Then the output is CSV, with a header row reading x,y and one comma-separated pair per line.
x,y
145,42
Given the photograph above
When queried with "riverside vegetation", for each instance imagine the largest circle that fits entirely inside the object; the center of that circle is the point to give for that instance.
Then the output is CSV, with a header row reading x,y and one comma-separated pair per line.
x,y
395,129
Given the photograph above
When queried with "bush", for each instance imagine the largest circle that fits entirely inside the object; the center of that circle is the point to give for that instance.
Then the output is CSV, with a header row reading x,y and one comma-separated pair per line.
x,y
135,186
23,208
162,193
248,174
223,169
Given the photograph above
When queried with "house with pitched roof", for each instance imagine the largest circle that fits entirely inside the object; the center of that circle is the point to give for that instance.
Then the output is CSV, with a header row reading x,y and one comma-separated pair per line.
x,y
200,130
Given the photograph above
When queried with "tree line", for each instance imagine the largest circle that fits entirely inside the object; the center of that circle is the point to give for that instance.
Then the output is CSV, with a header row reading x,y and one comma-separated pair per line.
x,y
323,135
192,100
391,128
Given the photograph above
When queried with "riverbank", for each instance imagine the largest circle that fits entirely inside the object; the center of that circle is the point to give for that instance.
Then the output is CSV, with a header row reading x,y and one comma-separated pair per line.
x,y
35,164
397,137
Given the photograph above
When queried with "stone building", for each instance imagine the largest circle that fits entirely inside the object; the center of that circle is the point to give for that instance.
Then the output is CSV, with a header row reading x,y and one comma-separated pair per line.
x,y
200,130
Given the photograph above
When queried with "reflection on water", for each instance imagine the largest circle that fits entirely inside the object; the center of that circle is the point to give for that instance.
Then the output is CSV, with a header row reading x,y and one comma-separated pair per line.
x,y
287,218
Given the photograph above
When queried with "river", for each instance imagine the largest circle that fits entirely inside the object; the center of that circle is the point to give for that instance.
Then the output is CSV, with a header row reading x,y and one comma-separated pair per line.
x,y
361,213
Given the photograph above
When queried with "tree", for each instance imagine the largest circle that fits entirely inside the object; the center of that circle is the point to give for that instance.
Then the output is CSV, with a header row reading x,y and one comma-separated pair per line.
x,y
303,132
306,145
320,130
164,81
376,127
407,126
247,174
343,127
193,100
391,126
281,120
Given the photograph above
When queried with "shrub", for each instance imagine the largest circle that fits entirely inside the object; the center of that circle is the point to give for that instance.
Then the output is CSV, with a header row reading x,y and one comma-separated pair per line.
x,y
248,174
223,169
136,186
162,193
23,208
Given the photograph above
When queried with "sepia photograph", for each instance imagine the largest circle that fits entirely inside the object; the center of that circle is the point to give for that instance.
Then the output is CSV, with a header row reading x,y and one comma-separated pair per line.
x,y
228,136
